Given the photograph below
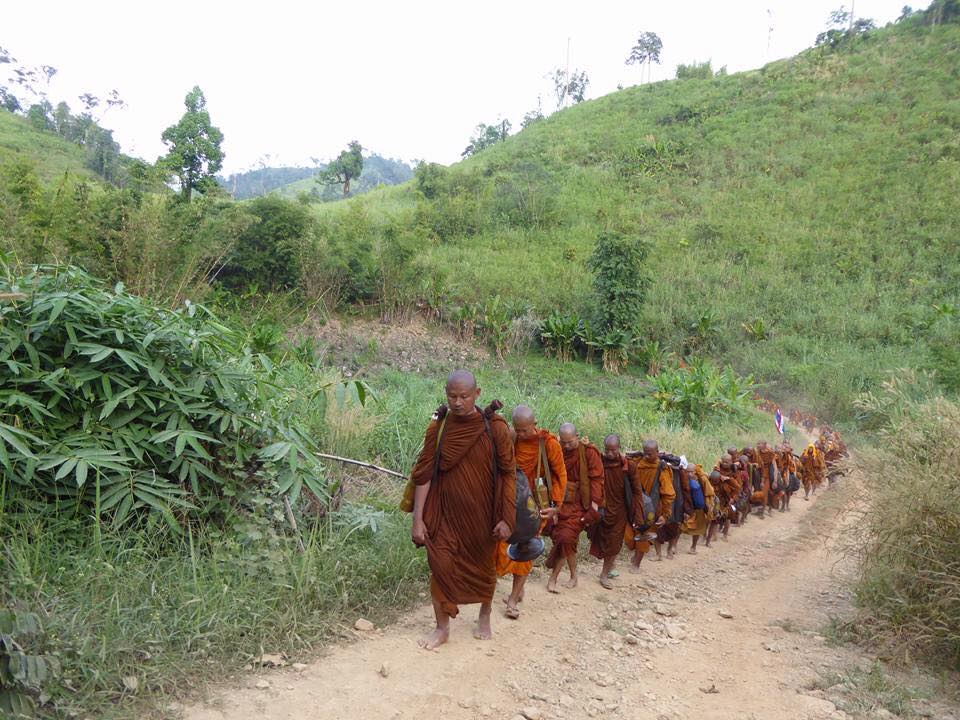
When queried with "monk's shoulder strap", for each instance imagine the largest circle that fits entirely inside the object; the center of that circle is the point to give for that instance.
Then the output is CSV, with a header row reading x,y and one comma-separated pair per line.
x,y
585,498
543,469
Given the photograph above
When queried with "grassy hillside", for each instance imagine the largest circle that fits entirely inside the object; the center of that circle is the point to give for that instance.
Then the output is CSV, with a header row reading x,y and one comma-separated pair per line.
x,y
817,196
51,155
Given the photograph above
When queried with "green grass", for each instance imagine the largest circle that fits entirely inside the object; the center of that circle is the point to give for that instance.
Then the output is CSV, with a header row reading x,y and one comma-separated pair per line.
x,y
52,156
862,691
817,194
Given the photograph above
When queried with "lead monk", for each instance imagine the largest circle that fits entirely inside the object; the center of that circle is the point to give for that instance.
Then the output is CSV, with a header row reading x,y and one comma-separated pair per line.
x,y
463,504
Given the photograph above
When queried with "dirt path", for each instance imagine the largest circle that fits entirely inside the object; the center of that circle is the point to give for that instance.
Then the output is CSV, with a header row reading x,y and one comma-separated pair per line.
x,y
656,647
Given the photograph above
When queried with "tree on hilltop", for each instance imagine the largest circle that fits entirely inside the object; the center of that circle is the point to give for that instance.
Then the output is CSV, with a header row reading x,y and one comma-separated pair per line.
x,y
195,156
347,166
645,52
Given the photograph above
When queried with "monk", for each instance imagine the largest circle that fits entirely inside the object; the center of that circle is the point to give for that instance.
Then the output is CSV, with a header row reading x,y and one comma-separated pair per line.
x,y
788,469
656,479
464,502
609,537
745,476
727,488
770,472
540,457
696,520
760,486
814,468
581,503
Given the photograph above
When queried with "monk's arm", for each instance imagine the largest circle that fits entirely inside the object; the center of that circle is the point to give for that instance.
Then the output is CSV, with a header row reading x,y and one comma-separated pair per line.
x,y
558,469
506,475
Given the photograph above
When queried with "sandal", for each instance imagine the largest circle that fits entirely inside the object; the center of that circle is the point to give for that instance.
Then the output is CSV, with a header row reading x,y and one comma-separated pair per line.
x,y
512,613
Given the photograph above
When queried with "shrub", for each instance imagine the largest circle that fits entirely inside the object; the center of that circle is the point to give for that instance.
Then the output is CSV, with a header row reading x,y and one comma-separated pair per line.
x,y
700,391
695,71
558,334
114,407
266,253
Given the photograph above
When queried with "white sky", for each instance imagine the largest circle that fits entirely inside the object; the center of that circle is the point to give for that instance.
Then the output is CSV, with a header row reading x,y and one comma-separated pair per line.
x,y
294,80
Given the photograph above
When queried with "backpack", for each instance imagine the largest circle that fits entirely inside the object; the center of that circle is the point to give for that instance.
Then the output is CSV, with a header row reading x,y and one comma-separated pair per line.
x,y
646,503
528,516
676,512
696,495
776,479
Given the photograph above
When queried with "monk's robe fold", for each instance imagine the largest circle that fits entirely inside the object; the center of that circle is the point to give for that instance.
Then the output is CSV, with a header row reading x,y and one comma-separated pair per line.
x,y
527,453
609,537
645,473
574,517
464,505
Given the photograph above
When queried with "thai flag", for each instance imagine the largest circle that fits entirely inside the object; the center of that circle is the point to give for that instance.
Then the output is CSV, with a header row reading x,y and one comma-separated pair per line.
x,y
778,420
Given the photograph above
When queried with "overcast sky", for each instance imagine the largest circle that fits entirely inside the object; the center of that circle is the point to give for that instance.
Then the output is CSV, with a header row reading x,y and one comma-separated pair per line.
x,y
293,80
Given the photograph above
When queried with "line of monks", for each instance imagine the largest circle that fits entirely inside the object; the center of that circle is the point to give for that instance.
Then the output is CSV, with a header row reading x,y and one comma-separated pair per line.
x,y
464,492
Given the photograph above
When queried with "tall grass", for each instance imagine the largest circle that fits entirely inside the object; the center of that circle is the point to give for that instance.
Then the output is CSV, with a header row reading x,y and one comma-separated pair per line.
x,y
909,535
176,613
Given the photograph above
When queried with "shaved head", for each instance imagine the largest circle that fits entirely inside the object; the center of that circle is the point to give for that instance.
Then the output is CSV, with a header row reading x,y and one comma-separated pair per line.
x,y
524,423
651,451
522,414
569,440
611,446
462,393
463,378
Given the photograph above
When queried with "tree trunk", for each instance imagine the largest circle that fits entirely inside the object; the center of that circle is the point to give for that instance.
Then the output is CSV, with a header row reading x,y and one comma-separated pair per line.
x,y
346,187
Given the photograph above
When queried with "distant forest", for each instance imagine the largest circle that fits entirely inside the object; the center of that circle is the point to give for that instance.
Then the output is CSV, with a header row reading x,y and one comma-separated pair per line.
x,y
298,181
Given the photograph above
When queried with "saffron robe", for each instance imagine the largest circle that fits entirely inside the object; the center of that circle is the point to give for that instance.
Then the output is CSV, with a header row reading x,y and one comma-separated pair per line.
x,y
574,517
527,453
462,507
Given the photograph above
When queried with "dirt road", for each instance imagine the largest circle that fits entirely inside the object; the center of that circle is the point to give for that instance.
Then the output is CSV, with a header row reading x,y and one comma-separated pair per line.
x,y
658,646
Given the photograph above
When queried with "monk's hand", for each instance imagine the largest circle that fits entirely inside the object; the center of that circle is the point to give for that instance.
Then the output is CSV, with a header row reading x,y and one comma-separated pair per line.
x,y
419,532
549,514
501,531
660,520
685,517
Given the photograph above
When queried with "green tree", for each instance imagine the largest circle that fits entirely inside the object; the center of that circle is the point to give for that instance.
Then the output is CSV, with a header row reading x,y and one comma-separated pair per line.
x,y
646,51
347,167
485,136
619,290
195,155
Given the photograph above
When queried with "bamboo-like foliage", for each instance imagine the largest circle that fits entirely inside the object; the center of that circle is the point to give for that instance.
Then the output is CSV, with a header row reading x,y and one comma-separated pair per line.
x,y
700,391
114,407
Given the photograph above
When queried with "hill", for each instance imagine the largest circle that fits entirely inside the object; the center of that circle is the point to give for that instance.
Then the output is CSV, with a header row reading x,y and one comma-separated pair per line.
x,y
803,218
51,155
291,182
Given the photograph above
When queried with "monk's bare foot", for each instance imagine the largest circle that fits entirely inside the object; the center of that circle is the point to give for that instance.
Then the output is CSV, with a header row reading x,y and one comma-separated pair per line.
x,y
658,558
606,583
571,583
552,586
482,630
634,569
693,551
435,639
512,611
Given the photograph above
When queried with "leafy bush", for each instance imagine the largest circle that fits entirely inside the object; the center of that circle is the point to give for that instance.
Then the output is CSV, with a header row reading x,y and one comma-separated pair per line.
x,y
695,71
619,282
266,253
558,334
114,407
24,676
700,391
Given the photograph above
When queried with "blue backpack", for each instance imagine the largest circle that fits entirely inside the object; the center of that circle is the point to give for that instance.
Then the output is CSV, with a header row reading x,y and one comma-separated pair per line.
x,y
696,494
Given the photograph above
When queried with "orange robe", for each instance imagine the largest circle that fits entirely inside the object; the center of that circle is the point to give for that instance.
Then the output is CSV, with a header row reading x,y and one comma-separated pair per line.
x,y
697,521
814,467
574,517
788,466
527,453
608,540
463,506
728,490
645,474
